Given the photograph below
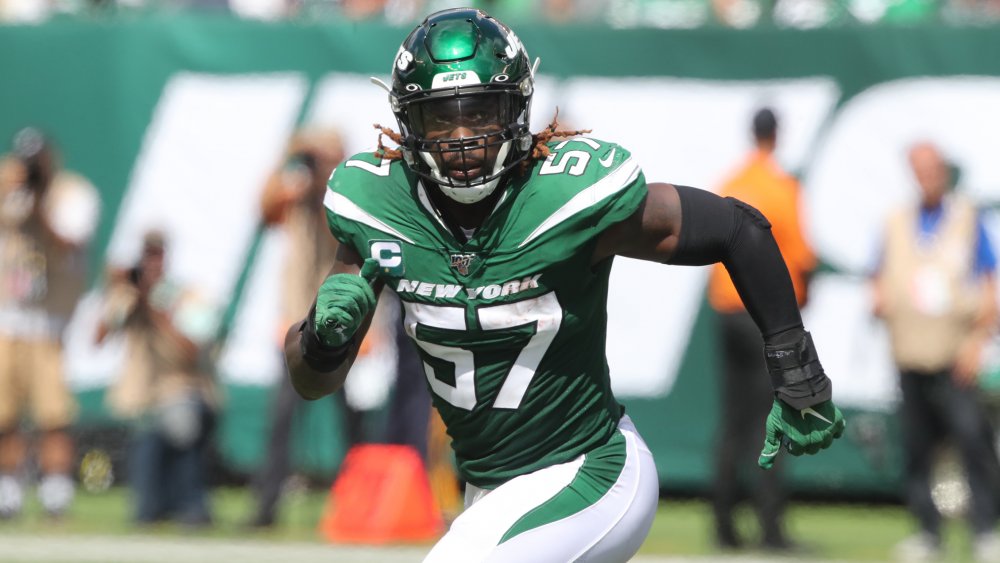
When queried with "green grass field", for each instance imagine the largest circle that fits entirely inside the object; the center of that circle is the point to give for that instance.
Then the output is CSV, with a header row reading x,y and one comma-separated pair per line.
x,y
682,528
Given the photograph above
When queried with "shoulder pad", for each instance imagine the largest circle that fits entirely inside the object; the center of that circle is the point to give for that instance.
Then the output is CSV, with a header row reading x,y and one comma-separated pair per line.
x,y
583,182
575,164
366,191
362,170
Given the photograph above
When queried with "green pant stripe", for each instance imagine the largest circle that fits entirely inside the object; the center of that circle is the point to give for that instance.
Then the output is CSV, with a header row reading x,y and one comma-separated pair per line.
x,y
599,472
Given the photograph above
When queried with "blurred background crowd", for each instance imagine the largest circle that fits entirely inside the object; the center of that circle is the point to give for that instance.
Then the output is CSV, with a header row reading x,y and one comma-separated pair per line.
x,y
161,224
664,14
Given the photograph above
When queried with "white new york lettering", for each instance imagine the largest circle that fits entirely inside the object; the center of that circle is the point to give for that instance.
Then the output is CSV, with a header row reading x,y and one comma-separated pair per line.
x,y
450,290
491,291
511,287
446,291
407,286
530,283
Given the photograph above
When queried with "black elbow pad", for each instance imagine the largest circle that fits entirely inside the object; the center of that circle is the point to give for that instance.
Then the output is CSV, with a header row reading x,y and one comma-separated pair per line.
x,y
712,226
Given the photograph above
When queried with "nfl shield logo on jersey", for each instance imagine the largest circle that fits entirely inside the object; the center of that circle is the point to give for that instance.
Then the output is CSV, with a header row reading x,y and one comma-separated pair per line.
x,y
462,262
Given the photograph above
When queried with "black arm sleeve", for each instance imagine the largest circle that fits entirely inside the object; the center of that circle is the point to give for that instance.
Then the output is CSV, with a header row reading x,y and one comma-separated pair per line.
x,y
715,229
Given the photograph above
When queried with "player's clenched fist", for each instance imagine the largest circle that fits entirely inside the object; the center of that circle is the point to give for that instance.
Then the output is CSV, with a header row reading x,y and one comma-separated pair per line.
x,y
343,302
807,430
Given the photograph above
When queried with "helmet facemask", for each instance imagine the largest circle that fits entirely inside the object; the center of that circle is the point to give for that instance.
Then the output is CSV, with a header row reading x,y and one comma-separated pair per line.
x,y
465,143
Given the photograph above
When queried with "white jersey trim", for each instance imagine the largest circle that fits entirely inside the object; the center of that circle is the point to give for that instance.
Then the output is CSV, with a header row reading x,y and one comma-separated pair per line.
x,y
340,205
426,202
632,439
613,183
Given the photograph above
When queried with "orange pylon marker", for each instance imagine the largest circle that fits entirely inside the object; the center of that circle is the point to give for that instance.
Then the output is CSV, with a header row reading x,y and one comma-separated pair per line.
x,y
382,495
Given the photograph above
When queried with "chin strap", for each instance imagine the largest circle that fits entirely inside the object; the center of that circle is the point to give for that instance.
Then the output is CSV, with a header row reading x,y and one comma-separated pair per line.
x,y
468,194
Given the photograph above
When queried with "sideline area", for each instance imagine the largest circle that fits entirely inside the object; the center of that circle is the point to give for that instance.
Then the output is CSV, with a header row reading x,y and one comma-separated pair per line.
x,y
152,549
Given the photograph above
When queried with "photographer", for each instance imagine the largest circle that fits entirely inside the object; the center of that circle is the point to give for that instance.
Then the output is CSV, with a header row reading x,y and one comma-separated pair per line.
x,y
292,201
164,389
47,217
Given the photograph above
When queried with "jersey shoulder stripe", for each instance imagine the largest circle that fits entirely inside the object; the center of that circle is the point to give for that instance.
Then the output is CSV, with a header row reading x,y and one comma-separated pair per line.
x,y
624,175
583,186
338,204
367,193
365,176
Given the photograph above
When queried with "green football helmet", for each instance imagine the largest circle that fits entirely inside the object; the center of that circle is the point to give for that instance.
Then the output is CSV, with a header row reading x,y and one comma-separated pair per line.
x,y
461,92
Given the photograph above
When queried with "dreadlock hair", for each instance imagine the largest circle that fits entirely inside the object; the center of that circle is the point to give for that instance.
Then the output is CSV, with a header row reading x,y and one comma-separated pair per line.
x,y
385,152
539,149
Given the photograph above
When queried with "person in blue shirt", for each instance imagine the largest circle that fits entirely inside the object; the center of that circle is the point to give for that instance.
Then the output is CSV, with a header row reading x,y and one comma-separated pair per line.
x,y
935,288
929,219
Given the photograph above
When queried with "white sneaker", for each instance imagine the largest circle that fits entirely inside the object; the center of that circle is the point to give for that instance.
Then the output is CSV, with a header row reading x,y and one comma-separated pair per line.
x,y
918,548
55,492
11,496
986,548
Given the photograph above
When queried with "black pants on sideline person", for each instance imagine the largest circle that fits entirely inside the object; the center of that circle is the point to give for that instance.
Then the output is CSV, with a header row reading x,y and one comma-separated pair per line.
x,y
407,424
746,400
410,412
934,407
278,456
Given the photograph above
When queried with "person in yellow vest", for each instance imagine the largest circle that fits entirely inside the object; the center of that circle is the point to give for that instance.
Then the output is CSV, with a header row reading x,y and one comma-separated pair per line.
x,y
935,289
746,391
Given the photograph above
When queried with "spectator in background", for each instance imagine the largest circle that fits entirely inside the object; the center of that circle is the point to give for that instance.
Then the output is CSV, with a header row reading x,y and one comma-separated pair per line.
x,y
47,217
746,390
293,199
935,288
165,388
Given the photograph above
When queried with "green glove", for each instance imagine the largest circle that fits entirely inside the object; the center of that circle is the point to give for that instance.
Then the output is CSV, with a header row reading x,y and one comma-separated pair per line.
x,y
343,302
802,431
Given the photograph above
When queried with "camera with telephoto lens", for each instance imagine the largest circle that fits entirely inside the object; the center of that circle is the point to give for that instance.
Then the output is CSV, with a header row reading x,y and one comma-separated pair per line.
x,y
34,150
302,162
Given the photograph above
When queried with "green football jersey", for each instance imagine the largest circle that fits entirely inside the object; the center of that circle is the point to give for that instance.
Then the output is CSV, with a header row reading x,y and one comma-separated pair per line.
x,y
511,325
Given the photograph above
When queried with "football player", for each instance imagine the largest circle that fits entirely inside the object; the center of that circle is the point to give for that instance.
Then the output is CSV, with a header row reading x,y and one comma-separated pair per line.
x,y
499,244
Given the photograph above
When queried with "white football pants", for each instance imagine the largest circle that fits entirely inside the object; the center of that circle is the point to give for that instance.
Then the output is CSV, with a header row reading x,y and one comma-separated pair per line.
x,y
596,508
